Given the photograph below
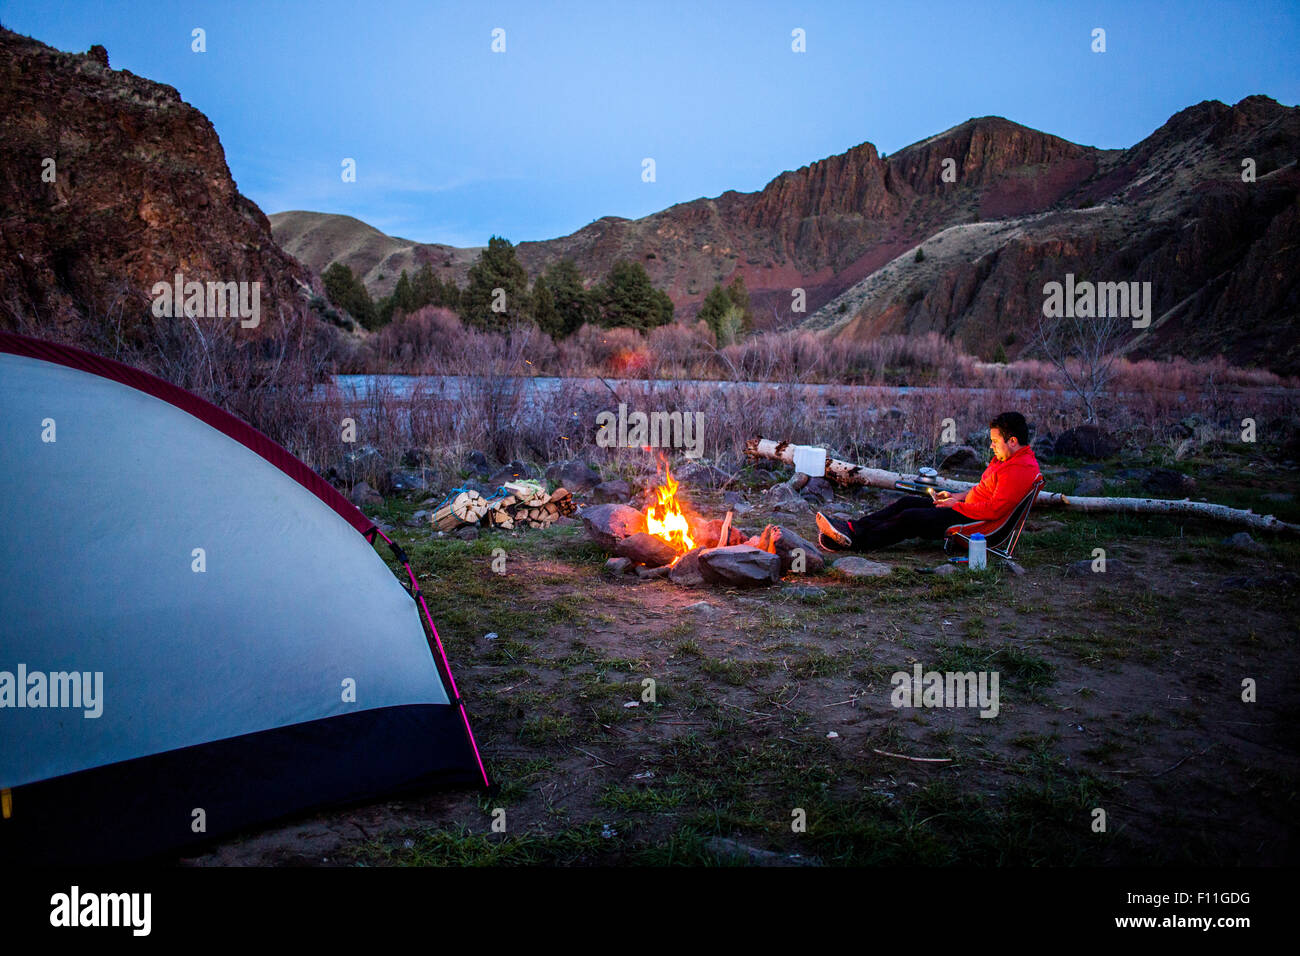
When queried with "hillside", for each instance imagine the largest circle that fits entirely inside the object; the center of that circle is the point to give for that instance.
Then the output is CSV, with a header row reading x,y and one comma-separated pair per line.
x,y
110,183
1024,208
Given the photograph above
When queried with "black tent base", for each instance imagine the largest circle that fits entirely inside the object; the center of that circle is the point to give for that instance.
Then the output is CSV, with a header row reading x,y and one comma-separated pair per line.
x,y
141,809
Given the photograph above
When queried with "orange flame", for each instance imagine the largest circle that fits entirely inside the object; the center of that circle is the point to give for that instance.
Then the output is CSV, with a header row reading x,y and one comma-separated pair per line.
x,y
665,519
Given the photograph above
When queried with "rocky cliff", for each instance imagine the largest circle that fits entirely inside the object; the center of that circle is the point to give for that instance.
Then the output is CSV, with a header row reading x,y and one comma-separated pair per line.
x,y
109,183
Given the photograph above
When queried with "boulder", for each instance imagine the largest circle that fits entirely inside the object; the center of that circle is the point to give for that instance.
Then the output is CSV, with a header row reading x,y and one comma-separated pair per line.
x,y
1244,542
607,491
703,476
854,567
686,571
706,532
411,479
1167,483
959,458
607,525
576,476
787,542
362,494
1086,441
645,548
819,490
739,566
477,464
1090,487
512,472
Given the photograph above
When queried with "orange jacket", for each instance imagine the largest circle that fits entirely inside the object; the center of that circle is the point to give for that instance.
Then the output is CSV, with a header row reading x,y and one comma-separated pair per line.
x,y
1000,489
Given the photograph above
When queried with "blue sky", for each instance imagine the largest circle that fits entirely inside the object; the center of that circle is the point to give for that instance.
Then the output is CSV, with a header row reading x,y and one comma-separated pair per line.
x,y
454,143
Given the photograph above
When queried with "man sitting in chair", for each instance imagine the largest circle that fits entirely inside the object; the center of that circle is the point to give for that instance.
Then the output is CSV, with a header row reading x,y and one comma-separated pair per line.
x,y
1005,482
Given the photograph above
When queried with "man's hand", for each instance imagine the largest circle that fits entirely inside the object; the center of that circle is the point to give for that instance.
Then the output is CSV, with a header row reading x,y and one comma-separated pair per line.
x,y
946,502
941,496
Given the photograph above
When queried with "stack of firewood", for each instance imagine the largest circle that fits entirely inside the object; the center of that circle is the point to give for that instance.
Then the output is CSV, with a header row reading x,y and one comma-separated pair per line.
x,y
517,504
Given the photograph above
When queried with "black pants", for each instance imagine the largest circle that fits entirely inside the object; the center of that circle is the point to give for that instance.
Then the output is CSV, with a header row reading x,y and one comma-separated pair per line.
x,y
913,516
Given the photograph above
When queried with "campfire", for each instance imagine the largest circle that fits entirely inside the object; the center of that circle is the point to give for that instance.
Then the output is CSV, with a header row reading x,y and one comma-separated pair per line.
x,y
668,539
665,520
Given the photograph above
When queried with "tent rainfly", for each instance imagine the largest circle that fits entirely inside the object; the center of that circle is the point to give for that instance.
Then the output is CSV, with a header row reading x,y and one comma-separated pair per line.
x,y
196,632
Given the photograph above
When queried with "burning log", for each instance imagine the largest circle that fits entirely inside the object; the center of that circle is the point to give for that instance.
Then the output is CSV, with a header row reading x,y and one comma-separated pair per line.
x,y
847,473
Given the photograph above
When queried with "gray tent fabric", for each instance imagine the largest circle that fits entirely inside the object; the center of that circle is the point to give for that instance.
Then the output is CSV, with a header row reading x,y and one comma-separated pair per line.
x,y
200,593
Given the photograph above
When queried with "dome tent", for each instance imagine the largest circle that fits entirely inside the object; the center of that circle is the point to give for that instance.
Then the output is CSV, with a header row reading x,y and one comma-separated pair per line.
x,y
196,632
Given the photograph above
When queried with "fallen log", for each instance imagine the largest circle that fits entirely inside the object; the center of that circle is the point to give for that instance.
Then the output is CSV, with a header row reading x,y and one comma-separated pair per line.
x,y
847,473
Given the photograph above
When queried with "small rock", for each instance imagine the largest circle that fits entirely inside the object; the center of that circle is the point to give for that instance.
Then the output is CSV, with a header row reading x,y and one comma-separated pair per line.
x,y
732,498
612,491
467,533
652,574
607,525
1114,569
419,517
1043,525
1244,542
946,568
798,482
734,850
631,703
617,567
739,565
854,567
490,636
804,592
1014,568
703,608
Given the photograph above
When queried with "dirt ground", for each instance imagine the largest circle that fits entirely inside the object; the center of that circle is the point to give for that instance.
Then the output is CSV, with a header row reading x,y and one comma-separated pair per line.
x,y
772,740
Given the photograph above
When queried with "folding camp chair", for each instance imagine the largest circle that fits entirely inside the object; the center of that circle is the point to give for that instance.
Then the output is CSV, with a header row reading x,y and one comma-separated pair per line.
x,y
1002,540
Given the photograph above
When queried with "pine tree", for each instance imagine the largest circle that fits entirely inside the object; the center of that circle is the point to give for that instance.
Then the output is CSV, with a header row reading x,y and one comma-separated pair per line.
x,y
404,295
920,254
423,287
573,303
739,297
713,309
496,268
545,313
627,297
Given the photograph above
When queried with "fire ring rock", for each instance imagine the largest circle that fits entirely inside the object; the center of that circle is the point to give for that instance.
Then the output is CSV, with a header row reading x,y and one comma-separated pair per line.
x,y
607,525
740,565
645,548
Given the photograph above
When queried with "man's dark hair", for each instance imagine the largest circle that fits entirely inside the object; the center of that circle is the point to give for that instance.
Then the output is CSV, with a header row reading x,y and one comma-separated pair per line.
x,y
1012,425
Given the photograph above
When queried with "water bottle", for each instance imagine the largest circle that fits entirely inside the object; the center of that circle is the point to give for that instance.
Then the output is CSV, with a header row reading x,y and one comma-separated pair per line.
x,y
977,553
